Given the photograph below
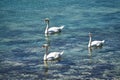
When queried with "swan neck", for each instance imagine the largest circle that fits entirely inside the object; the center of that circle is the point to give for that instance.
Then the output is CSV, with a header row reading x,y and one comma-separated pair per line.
x,y
46,52
90,40
46,30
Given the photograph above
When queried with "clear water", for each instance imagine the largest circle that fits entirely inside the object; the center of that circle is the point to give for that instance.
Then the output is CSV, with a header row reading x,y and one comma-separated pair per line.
x,y
22,36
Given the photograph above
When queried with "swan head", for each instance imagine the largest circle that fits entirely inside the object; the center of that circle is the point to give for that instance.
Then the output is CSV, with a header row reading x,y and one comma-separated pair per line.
x,y
45,46
46,20
90,34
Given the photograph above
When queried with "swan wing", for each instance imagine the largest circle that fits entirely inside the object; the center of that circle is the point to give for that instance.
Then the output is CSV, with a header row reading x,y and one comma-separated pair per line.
x,y
53,55
55,29
61,27
97,43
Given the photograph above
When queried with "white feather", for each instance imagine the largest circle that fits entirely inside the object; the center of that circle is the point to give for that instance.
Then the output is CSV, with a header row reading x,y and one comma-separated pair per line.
x,y
54,55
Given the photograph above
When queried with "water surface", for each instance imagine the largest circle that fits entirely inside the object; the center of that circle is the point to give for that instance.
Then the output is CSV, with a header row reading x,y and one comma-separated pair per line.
x,y
22,36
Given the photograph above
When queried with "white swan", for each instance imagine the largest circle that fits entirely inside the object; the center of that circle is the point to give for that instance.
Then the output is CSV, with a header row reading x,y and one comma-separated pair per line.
x,y
95,43
52,30
51,56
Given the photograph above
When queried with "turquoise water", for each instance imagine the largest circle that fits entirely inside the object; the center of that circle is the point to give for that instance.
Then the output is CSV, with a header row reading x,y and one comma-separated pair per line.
x,y
22,36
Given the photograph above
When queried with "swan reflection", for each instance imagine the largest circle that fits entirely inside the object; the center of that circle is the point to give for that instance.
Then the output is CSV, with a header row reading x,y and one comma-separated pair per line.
x,y
47,40
46,67
48,63
90,54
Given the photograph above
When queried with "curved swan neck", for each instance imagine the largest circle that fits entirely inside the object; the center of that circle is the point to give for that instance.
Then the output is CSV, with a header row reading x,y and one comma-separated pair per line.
x,y
90,40
46,52
46,30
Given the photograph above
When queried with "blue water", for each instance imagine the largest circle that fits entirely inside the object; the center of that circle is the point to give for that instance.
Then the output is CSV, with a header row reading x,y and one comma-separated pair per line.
x,y
22,36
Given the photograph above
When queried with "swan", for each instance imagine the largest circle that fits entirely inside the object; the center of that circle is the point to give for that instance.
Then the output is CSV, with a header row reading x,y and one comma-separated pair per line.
x,y
95,43
52,55
52,30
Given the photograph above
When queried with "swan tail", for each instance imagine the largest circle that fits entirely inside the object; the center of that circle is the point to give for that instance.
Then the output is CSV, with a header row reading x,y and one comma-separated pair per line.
x,y
103,41
61,27
61,52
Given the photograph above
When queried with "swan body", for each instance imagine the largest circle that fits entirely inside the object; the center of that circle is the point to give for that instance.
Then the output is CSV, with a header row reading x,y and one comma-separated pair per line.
x,y
52,30
96,43
52,55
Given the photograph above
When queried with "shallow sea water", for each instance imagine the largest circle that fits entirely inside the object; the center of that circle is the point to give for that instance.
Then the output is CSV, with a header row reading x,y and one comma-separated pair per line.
x,y
22,36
